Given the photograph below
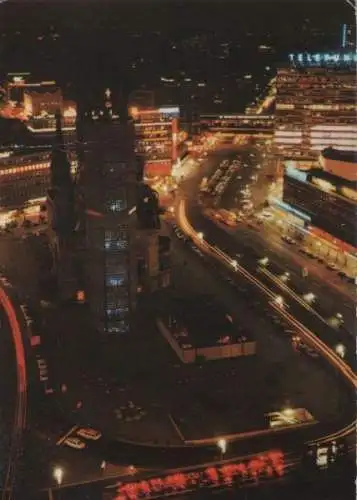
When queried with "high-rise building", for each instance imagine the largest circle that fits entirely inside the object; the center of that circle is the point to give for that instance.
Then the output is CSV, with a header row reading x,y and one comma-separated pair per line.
x,y
108,181
156,138
316,105
62,210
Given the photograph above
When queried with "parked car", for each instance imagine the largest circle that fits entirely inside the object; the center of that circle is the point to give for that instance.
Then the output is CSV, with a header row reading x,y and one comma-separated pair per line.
x,y
88,433
41,363
75,443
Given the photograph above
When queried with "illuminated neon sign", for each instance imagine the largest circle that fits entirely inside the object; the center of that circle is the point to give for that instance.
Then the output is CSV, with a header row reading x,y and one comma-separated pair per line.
x,y
267,465
327,58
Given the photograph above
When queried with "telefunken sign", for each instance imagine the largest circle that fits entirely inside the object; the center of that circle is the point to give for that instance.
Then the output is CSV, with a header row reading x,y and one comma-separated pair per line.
x,y
327,58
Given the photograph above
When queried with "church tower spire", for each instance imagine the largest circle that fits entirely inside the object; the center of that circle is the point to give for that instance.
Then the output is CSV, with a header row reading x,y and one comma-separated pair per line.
x,y
60,166
59,136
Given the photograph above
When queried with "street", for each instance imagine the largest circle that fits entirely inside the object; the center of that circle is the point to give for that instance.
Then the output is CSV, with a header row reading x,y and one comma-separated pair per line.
x,y
101,378
326,285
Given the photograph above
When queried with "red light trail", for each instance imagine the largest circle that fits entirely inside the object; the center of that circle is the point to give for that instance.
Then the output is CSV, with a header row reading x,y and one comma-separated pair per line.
x,y
269,465
21,404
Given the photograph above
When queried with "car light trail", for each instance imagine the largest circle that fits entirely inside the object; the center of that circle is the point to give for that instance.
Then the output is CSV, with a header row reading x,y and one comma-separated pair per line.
x,y
291,292
271,464
21,405
304,332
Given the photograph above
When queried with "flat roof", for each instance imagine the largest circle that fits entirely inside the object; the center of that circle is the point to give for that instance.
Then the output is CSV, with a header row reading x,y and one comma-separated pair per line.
x,y
206,321
307,175
340,155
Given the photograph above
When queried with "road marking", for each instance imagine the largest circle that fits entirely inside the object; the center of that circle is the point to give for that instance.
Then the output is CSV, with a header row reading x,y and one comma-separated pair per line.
x,y
176,427
60,441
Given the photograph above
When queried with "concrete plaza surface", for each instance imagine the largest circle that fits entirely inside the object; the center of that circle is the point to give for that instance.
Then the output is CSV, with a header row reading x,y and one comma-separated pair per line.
x,y
182,403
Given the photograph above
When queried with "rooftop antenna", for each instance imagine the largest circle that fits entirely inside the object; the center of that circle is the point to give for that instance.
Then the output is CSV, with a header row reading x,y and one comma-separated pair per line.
x,y
344,35
353,4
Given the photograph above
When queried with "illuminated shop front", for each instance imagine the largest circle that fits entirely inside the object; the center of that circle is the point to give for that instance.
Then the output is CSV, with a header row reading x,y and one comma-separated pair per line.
x,y
322,198
24,177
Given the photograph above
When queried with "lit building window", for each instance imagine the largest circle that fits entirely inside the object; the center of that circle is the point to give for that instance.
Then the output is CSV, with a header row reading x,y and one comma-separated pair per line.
x,y
116,240
116,200
116,280
117,327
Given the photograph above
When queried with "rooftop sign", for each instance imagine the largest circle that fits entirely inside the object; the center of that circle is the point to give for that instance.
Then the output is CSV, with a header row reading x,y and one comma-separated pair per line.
x,y
323,58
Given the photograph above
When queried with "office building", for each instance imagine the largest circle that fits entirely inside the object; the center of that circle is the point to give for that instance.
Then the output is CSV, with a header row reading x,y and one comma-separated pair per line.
x,y
325,198
315,105
45,123
232,124
25,178
18,83
43,100
108,180
156,132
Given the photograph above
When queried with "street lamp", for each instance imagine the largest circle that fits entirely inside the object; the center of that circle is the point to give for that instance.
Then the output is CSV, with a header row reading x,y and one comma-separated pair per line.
x,y
222,446
340,350
288,412
279,300
58,474
309,297
285,276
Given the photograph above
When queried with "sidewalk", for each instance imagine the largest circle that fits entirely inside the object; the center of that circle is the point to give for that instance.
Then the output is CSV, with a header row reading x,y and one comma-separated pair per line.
x,y
273,233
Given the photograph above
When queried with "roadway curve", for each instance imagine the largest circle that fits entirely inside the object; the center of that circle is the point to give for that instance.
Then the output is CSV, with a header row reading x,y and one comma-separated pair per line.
x,y
19,421
116,450
309,337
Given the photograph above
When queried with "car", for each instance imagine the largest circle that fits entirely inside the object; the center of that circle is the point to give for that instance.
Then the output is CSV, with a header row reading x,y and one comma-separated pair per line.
x,y
41,363
74,442
309,351
310,254
288,239
331,265
88,433
179,234
289,332
197,250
